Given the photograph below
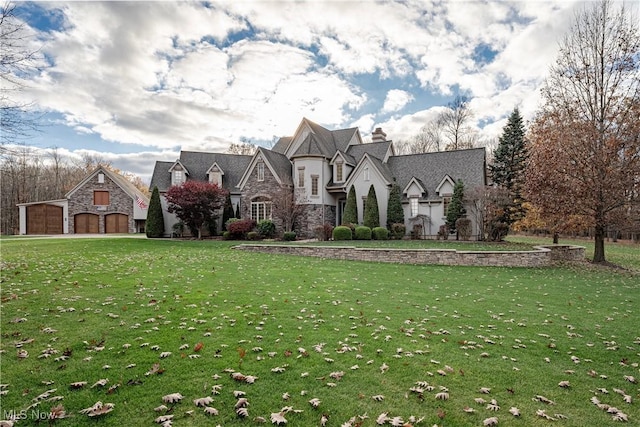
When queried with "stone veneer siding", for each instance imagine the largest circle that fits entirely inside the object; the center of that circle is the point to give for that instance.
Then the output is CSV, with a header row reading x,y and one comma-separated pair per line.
x,y
541,257
81,201
313,217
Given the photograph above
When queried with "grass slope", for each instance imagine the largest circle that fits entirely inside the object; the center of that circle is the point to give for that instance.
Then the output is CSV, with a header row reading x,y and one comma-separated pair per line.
x,y
342,332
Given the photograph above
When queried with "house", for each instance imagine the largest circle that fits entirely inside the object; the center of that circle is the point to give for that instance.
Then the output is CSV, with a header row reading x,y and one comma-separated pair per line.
x,y
320,166
103,202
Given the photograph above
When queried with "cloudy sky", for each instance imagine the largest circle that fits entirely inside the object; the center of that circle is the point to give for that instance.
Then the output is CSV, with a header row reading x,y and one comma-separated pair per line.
x,y
136,82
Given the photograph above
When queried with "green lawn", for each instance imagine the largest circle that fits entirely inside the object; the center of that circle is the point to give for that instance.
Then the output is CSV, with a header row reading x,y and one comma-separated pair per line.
x,y
342,332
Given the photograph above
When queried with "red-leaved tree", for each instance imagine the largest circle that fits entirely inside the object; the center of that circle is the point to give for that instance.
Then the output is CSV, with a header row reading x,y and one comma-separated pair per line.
x,y
195,203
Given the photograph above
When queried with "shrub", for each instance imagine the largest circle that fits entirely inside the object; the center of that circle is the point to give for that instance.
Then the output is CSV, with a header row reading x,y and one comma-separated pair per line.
x,y
178,229
154,226
443,232
395,213
351,207
266,228
380,233
253,235
240,228
229,221
363,233
352,227
226,235
463,226
324,232
342,232
289,236
398,230
371,217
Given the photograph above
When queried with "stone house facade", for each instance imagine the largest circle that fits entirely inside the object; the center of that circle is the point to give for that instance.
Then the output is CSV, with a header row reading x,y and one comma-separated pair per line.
x,y
319,166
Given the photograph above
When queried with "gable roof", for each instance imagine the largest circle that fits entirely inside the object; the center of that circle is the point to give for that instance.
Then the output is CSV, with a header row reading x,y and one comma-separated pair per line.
x,y
126,186
319,141
375,149
382,169
278,164
431,168
198,164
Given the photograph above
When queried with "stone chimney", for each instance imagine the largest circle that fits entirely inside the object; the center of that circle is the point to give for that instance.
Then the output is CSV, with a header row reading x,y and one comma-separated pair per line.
x,y
378,135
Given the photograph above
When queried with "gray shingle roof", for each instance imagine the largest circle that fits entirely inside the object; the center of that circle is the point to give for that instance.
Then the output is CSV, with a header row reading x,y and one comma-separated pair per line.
x,y
323,142
430,168
280,163
374,149
198,163
282,144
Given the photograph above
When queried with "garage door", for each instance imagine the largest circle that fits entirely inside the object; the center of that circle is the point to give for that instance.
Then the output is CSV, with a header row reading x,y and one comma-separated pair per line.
x,y
116,223
44,219
86,223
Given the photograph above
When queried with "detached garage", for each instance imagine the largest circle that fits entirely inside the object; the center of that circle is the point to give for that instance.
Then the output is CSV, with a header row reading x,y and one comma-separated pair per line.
x,y
103,202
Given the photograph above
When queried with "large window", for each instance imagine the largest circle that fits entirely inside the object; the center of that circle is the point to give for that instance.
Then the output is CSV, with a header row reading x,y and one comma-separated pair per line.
x,y
414,206
178,177
260,209
260,171
100,198
314,185
339,172
446,200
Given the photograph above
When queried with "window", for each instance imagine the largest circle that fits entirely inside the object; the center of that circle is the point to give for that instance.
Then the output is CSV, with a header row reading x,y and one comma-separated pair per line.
x,y
339,177
100,178
314,185
178,178
414,206
215,178
260,210
260,171
366,173
300,177
364,204
446,200
100,198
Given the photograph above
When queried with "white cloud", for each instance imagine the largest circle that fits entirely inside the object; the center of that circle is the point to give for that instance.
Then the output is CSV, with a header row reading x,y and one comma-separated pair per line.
x,y
396,100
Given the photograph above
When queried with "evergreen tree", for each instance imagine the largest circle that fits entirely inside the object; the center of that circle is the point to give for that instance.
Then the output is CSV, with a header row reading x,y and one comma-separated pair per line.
x,y
154,226
237,214
371,211
228,212
351,208
509,164
455,209
395,213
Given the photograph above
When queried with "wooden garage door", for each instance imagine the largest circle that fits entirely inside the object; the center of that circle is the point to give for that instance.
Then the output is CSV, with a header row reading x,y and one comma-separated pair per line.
x,y
44,219
86,223
116,223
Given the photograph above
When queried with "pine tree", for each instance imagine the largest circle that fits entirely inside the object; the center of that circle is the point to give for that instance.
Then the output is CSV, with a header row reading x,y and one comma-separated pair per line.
x,y
154,226
371,211
455,209
237,214
395,213
228,212
351,208
509,164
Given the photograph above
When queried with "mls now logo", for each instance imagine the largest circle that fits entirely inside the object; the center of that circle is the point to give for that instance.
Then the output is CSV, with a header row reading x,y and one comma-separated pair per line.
x,y
34,414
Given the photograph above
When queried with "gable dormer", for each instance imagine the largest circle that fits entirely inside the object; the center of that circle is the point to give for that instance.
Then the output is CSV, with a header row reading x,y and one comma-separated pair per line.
x,y
215,174
342,165
414,188
445,188
179,173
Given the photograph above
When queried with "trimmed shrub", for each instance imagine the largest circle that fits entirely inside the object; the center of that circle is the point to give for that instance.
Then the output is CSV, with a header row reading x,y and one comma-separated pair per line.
x,y
240,228
324,232
289,236
363,233
229,221
342,232
398,230
226,235
351,207
380,233
266,228
463,226
395,213
178,229
253,235
371,212
443,232
154,226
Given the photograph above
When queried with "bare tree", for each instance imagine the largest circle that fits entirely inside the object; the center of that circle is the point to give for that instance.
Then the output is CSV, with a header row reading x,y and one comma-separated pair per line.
x,y
454,123
244,148
17,60
585,141
429,139
286,207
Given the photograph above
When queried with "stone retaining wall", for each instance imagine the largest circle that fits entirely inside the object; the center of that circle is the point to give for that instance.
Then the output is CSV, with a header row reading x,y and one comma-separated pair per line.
x,y
542,256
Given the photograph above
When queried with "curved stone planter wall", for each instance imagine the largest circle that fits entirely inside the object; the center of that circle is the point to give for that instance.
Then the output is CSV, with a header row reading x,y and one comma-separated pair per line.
x,y
542,256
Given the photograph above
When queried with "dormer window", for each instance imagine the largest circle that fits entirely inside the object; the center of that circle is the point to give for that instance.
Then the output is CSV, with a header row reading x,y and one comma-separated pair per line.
x,y
260,171
177,177
339,172
215,176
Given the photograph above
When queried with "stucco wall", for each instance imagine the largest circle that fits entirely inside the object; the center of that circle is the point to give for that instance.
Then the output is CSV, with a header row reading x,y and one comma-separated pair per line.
x,y
541,257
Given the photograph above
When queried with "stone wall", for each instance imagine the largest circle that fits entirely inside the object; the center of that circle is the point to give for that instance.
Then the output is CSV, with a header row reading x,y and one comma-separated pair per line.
x,y
314,216
540,257
81,201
